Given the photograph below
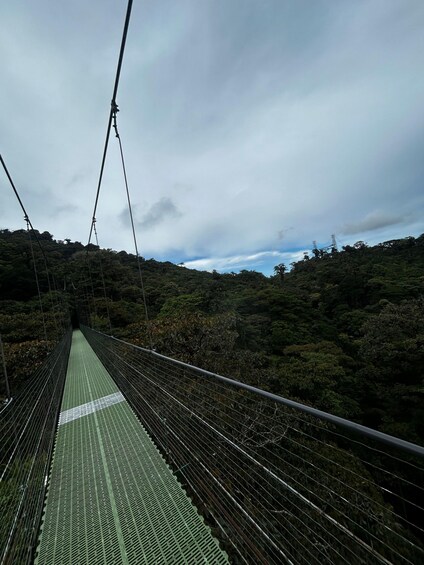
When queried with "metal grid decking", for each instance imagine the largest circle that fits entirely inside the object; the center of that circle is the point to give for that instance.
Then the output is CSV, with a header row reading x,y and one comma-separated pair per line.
x,y
111,497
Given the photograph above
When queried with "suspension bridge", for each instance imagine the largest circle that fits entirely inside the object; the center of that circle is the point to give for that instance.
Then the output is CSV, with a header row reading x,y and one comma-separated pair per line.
x,y
116,454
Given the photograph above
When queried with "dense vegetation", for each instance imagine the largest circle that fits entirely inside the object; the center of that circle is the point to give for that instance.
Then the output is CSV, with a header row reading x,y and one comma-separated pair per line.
x,y
342,330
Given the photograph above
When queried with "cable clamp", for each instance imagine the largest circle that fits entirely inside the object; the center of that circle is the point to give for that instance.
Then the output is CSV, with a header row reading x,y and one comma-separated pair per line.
x,y
115,110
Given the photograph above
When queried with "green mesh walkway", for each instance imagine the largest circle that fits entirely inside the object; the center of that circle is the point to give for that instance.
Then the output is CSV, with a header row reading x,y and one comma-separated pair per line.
x,y
111,497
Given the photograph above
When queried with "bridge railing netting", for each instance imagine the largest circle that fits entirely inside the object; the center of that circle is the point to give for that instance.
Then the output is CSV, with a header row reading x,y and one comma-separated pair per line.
x,y
275,484
27,430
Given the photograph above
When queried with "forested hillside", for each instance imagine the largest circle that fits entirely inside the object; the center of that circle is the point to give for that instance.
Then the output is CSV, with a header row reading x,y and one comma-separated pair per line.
x,y
341,330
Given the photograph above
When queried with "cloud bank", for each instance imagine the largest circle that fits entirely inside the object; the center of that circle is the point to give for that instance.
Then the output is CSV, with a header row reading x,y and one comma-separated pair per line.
x,y
248,127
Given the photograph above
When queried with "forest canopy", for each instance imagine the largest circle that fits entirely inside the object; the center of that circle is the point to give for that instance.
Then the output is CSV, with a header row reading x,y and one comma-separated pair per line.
x,y
341,330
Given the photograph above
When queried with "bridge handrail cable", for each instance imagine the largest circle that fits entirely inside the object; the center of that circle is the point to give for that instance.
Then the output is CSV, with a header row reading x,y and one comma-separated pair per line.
x,y
276,476
342,422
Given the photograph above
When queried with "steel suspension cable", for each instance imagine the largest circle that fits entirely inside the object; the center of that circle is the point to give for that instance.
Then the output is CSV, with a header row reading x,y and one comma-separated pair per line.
x,y
28,428
29,225
201,439
26,216
4,367
268,470
36,279
124,170
109,125
238,419
102,277
206,438
91,286
14,188
224,424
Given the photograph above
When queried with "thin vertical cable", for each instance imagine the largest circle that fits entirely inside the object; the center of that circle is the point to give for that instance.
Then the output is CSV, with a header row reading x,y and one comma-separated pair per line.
x,y
87,257
115,92
86,303
36,279
54,303
102,276
6,380
29,225
115,126
62,307
56,307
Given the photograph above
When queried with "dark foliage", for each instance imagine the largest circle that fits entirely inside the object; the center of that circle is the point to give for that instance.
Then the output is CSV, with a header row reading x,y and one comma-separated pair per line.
x,y
342,331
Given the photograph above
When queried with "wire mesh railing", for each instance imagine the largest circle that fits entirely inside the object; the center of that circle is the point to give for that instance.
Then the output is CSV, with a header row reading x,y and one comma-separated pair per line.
x,y
27,430
276,483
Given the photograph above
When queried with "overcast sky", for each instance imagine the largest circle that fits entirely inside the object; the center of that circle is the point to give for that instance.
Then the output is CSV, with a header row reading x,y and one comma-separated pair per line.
x,y
250,127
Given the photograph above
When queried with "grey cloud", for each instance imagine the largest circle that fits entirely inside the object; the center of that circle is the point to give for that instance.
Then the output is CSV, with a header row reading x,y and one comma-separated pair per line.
x,y
76,179
66,209
160,211
250,115
281,234
374,221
